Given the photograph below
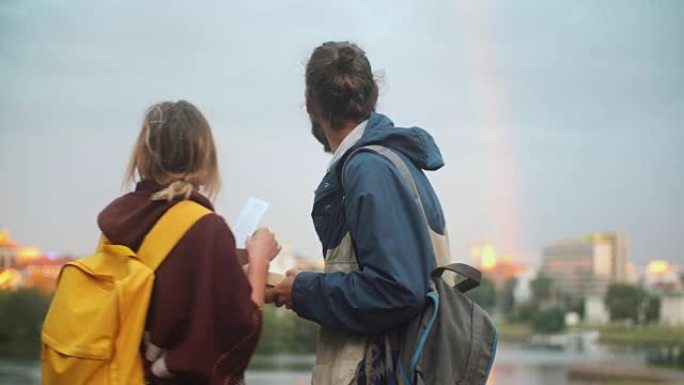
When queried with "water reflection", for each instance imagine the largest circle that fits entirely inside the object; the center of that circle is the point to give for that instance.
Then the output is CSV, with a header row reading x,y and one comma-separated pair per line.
x,y
515,364
522,364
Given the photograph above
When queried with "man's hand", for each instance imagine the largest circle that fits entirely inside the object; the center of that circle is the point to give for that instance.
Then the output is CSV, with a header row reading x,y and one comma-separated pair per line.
x,y
270,295
283,290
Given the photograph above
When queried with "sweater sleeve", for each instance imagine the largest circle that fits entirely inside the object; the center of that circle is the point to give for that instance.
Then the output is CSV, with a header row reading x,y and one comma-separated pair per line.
x,y
392,248
201,313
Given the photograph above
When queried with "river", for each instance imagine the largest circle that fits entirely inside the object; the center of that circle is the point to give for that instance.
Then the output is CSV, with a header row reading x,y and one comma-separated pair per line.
x,y
516,364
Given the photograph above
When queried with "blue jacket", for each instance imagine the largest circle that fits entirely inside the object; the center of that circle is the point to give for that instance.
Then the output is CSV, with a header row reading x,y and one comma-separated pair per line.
x,y
393,247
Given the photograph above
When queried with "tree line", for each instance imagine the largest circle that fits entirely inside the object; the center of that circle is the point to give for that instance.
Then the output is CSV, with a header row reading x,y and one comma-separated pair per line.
x,y
22,313
546,308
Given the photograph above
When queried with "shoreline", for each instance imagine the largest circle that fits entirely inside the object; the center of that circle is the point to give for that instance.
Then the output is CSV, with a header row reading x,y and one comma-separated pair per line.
x,y
638,335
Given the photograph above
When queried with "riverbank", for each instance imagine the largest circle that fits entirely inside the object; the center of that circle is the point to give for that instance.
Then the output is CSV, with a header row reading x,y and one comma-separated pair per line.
x,y
620,374
514,332
641,335
664,346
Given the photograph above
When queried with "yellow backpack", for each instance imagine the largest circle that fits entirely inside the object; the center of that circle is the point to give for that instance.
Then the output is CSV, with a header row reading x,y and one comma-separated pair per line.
x,y
94,327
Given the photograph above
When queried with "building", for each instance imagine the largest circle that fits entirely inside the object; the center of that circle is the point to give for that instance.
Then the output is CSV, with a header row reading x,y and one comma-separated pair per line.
x,y
595,311
672,309
633,273
588,265
522,292
8,251
615,244
28,266
496,268
662,276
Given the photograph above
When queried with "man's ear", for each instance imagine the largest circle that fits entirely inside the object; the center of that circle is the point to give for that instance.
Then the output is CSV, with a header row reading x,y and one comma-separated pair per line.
x,y
306,101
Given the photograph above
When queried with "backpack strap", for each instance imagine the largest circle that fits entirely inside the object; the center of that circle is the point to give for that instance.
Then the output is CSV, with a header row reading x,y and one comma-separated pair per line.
x,y
472,275
399,164
168,230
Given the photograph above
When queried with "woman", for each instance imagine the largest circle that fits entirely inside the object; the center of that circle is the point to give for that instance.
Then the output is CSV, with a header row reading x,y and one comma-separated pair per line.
x,y
204,318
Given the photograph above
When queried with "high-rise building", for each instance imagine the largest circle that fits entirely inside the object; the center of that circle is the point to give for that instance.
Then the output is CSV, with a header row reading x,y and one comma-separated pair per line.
x,y
586,265
616,244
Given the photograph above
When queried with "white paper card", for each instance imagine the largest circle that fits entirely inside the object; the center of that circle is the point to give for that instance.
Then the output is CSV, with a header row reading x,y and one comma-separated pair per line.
x,y
249,220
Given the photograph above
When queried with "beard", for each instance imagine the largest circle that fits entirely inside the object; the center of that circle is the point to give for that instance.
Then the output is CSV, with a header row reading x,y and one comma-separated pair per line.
x,y
319,134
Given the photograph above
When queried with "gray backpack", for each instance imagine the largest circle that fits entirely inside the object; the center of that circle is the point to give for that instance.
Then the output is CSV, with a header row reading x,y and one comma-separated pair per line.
x,y
452,342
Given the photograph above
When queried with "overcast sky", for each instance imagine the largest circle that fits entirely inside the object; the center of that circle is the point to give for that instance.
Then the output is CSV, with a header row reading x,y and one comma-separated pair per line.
x,y
555,119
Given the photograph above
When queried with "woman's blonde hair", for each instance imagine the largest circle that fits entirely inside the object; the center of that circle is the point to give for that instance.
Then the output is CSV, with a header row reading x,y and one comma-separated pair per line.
x,y
176,150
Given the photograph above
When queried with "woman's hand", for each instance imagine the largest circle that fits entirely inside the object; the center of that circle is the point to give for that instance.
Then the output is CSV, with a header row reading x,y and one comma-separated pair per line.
x,y
262,246
242,256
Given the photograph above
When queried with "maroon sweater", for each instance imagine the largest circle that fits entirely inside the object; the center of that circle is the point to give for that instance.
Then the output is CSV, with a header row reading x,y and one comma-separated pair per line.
x,y
201,312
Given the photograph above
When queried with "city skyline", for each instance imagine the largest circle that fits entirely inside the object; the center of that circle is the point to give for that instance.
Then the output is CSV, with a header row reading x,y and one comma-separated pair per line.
x,y
483,255
27,265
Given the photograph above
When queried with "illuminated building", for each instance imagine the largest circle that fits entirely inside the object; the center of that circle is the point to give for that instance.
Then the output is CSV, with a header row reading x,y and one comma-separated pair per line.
x,y
662,276
495,268
27,266
42,273
587,265
10,277
8,251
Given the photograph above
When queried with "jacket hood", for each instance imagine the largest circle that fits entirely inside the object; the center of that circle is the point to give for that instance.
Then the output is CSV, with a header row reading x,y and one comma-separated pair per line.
x,y
414,142
127,219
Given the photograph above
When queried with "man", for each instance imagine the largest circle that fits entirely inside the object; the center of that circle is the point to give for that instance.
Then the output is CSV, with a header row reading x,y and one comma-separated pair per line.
x,y
378,250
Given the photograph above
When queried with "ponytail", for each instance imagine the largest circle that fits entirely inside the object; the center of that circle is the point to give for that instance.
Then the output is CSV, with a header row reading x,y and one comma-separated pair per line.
x,y
178,188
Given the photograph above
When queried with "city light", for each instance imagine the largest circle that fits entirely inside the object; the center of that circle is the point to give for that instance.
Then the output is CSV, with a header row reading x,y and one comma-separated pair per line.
x,y
658,267
488,257
27,266
5,239
29,252
496,268
10,279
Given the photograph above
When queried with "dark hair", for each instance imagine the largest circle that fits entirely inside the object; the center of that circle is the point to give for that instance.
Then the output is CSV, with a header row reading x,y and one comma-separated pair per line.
x,y
340,84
